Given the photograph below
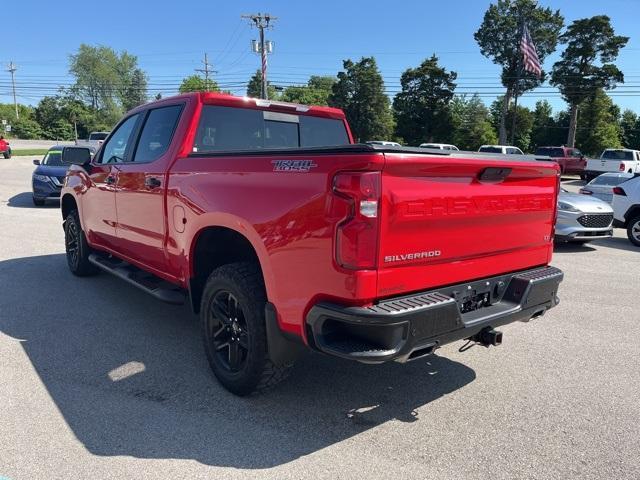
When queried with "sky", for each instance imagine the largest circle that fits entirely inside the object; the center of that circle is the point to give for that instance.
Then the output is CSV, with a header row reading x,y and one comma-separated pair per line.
x,y
310,38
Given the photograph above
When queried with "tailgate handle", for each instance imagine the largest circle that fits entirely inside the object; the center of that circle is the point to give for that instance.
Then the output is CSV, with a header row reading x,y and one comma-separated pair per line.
x,y
494,174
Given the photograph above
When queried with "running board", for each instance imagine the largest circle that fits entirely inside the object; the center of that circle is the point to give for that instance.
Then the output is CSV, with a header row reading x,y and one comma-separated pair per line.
x,y
147,282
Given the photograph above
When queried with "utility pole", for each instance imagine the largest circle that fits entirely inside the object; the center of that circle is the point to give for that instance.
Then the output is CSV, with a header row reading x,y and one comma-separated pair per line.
x,y
206,70
262,21
12,70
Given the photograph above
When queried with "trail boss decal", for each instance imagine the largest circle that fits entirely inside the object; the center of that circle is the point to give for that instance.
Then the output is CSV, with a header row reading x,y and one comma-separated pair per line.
x,y
411,256
302,166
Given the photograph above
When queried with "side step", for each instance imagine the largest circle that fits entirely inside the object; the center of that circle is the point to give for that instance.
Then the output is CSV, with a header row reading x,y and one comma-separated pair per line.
x,y
147,282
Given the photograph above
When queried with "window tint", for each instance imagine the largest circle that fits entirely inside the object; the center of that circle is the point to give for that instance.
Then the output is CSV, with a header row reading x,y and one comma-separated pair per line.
x,y
157,133
550,152
322,132
617,155
114,149
280,134
576,153
490,149
98,135
227,128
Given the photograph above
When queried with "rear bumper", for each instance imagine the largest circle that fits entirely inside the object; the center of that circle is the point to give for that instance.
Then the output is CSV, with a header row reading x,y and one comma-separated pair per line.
x,y
405,328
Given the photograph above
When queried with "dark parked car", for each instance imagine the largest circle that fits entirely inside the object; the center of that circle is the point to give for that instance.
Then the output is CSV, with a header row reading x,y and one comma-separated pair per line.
x,y
48,177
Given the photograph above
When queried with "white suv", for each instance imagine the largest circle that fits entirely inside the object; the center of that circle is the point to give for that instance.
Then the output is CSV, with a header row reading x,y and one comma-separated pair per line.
x,y
626,208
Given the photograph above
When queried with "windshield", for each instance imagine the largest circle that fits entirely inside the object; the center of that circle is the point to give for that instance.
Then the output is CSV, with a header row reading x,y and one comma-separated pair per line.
x,y
550,152
617,155
53,158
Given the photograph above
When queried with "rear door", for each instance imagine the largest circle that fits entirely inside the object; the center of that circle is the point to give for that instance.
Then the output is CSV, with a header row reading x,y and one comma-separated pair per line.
x,y
140,189
450,219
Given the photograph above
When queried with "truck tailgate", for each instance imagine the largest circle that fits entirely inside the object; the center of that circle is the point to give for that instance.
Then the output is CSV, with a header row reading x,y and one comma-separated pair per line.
x,y
454,219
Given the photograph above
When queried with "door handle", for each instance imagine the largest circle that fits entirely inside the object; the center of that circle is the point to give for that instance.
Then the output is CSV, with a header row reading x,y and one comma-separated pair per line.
x,y
152,182
110,180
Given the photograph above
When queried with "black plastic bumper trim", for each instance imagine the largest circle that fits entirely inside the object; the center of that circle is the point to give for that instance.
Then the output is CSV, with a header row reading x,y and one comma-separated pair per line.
x,y
395,328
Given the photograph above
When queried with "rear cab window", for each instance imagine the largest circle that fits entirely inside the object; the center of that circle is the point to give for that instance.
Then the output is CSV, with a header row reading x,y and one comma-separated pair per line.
x,y
617,155
228,129
490,149
550,152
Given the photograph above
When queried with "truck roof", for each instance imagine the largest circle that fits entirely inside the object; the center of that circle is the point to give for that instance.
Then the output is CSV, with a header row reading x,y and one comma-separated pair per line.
x,y
226,100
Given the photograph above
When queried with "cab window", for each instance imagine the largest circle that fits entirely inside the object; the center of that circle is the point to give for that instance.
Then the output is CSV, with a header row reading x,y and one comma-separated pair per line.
x,y
157,133
115,149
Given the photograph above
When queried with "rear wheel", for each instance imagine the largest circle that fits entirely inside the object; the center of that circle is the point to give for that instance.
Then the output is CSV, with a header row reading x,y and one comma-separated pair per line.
x,y
77,248
234,332
633,231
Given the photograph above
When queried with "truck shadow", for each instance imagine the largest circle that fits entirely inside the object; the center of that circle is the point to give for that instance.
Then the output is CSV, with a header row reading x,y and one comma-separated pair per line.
x,y
130,378
24,200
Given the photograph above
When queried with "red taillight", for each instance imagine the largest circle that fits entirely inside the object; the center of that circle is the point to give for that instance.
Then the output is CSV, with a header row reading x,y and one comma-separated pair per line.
x,y
621,168
619,191
357,234
584,191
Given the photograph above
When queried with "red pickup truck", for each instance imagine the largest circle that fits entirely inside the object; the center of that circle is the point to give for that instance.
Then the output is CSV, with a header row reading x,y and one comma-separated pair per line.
x,y
571,160
285,235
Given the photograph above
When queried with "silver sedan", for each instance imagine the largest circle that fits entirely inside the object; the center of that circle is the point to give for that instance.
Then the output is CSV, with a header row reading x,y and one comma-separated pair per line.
x,y
582,218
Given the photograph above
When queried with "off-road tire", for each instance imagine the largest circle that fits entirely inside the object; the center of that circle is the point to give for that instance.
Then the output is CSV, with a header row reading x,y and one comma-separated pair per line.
x,y
77,248
243,282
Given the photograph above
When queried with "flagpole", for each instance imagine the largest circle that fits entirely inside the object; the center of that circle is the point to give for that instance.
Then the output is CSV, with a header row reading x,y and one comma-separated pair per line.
x,y
518,76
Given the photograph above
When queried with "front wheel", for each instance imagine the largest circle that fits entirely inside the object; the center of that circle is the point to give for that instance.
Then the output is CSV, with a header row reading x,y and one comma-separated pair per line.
x,y
77,248
232,317
7,155
633,231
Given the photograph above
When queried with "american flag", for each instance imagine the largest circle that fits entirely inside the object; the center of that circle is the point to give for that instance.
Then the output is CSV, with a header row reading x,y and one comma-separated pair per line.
x,y
529,54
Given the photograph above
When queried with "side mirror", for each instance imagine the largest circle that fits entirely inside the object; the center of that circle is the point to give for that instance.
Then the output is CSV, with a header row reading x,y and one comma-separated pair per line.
x,y
36,162
76,155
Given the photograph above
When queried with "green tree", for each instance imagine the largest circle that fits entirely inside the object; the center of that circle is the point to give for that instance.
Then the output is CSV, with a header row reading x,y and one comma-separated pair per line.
x,y
316,92
628,129
499,39
360,92
576,74
542,131
106,80
254,87
421,108
597,128
134,92
471,123
26,128
524,123
196,83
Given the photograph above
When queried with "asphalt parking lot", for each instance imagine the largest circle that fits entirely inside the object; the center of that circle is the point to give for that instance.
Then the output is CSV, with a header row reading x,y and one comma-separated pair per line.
x,y
99,380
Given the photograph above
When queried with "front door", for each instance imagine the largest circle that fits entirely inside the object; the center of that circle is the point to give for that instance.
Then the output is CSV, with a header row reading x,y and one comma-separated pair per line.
x,y
99,217
140,190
